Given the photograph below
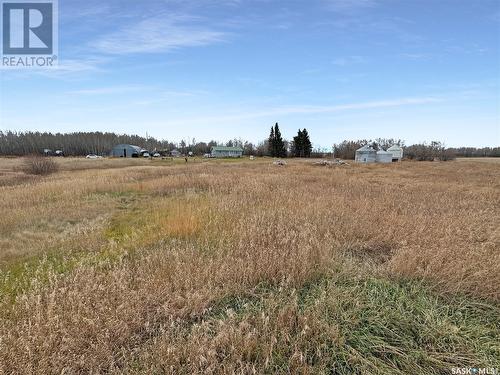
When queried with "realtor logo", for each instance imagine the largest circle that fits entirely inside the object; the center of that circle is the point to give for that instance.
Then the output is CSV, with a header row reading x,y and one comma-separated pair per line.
x,y
29,33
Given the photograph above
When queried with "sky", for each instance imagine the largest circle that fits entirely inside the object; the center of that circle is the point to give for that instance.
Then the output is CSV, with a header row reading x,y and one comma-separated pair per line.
x,y
417,70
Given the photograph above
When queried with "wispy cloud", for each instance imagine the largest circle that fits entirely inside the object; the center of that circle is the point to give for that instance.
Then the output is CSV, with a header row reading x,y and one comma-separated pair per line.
x,y
67,69
314,109
311,109
416,56
148,95
348,60
167,96
85,10
91,64
111,90
349,6
158,34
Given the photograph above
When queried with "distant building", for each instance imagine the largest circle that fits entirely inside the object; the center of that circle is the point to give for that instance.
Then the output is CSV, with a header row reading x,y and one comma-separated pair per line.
x,y
175,153
366,154
397,153
226,152
126,151
384,157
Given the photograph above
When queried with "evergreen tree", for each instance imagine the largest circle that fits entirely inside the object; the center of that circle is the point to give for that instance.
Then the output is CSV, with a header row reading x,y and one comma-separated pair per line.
x,y
279,144
306,144
297,144
271,144
302,145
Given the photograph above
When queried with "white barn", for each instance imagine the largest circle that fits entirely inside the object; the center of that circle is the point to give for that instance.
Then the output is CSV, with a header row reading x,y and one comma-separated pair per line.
x,y
397,153
384,157
366,154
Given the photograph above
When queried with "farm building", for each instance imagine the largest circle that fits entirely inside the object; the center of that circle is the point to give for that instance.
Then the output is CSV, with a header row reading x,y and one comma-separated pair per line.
x,y
175,153
226,152
397,152
125,151
384,157
366,154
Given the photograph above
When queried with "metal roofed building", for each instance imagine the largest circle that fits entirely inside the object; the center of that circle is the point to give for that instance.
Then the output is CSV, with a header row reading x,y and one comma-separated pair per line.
x,y
125,151
397,153
384,157
226,152
366,154
175,153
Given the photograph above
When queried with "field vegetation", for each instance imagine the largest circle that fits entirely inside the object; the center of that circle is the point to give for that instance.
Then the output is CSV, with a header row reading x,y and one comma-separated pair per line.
x,y
162,266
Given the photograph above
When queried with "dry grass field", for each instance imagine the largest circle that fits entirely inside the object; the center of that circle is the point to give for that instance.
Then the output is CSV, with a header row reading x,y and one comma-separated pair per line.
x,y
153,267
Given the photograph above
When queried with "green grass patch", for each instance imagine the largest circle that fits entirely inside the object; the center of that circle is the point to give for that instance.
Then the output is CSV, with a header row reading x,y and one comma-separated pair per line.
x,y
130,229
343,325
390,327
23,275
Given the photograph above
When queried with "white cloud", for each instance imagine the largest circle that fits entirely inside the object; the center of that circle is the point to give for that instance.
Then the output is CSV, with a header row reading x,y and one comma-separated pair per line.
x,y
312,109
158,34
348,60
166,96
67,69
348,6
149,95
108,90
80,65
85,10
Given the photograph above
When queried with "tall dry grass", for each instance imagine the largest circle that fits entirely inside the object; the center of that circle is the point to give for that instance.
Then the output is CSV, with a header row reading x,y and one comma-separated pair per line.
x,y
39,165
250,268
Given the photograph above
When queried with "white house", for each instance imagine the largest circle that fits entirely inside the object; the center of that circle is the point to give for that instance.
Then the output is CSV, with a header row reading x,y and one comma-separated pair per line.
x,y
227,152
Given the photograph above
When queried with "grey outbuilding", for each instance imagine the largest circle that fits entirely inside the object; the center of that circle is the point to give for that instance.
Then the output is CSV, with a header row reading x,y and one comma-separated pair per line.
x,y
384,157
366,154
125,151
397,153
175,153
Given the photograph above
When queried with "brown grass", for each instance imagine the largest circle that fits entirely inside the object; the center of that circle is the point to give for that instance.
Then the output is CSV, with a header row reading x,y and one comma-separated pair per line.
x,y
40,166
244,267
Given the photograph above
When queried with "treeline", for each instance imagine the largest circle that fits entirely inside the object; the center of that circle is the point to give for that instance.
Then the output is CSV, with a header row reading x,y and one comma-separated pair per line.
x,y
421,152
72,144
99,143
471,152
429,152
347,149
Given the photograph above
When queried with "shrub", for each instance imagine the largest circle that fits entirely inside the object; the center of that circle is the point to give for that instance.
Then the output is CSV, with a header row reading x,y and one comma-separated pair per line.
x,y
429,152
39,165
347,149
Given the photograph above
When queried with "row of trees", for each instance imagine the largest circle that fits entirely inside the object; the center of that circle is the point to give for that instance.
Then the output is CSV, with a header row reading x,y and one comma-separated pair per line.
x,y
83,143
471,152
300,147
347,149
421,152
429,152
74,144
80,144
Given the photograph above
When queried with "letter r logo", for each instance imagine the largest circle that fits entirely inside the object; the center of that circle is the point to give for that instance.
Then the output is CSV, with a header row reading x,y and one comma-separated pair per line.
x,y
28,28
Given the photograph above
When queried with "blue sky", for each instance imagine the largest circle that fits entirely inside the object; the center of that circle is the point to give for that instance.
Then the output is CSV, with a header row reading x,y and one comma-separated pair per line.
x,y
419,70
